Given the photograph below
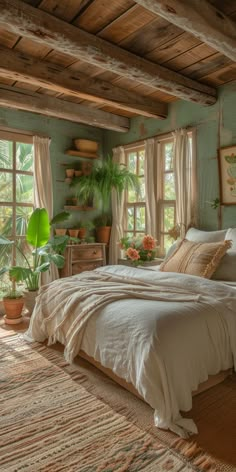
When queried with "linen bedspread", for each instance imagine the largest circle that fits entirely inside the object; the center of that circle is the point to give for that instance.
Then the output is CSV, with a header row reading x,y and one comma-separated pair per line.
x,y
163,332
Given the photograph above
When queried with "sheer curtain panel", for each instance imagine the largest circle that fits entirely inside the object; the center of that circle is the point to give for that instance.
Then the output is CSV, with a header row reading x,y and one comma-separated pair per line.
x,y
118,213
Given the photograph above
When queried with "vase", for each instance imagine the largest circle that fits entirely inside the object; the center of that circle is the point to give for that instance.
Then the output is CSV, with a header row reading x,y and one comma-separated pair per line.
x,y
30,297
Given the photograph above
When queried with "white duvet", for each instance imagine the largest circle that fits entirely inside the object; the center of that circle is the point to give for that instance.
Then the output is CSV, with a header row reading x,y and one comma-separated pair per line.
x,y
165,346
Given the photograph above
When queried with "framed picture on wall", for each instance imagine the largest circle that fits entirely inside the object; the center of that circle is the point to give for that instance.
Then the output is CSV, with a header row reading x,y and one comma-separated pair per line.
x,y
227,173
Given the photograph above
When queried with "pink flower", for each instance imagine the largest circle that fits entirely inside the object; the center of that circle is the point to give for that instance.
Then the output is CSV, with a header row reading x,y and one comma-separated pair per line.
x,y
132,254
149,243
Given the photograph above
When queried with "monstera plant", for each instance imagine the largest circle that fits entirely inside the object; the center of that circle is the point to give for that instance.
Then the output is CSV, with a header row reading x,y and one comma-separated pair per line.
x,y
43,251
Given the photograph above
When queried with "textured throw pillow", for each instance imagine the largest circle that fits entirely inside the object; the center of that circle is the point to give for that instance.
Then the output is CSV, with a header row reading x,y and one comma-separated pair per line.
x,y
193,258
199,236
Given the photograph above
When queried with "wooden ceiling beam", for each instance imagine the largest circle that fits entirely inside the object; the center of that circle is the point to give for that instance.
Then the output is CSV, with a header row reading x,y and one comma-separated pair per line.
x,y
199,18
54,107
45,29
21,67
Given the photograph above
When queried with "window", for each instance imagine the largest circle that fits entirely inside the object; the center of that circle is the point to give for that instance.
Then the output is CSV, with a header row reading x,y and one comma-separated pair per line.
x,y
135,207
168,199
16,191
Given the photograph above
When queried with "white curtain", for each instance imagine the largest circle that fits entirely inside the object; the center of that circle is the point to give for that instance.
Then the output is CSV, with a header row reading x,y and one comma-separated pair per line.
x,y
185,179
118,213
43,192
153,186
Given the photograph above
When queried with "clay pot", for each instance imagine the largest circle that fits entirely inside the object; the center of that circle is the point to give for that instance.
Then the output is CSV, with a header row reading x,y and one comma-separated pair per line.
x,y
30,296
70,172
60,231
78,173
13,308
73,233
82,233
103,234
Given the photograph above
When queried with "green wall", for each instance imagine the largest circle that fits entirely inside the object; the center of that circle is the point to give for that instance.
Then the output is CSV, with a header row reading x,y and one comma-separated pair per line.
x,y
216,127
62,133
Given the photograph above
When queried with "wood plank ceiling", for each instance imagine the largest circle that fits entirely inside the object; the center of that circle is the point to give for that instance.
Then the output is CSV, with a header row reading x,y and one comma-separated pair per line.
x,y
101,61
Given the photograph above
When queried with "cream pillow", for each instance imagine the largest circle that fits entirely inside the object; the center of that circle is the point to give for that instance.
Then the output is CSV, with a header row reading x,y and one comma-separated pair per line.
x,y
231,235
192,258
199,236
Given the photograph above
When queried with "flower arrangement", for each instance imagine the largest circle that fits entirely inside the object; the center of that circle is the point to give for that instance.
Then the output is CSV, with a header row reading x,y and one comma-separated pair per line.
x,y
139,249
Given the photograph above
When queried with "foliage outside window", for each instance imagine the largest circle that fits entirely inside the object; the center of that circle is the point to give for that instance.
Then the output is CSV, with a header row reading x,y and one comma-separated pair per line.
x,y
168,199
16,194
135,207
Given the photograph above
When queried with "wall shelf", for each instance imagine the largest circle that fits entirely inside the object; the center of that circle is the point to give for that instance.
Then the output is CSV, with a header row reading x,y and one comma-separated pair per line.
x,y
76,207
87,155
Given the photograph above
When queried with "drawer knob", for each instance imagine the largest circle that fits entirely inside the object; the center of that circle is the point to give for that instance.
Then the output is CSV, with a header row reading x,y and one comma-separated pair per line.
x,y
95,252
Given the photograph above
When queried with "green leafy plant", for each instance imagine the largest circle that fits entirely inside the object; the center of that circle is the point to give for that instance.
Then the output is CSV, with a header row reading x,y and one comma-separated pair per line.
x,y
44,250
104,177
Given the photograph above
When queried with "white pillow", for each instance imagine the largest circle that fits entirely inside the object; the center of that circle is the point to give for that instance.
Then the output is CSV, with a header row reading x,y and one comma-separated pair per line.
x,y
231,235
199,236
226,270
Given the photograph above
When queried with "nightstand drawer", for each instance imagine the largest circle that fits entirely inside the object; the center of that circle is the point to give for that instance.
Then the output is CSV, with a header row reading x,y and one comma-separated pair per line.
x,y
92,252
78,267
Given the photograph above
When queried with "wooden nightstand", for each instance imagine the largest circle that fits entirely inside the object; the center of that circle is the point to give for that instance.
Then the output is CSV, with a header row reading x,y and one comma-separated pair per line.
x,y
155,262
81,257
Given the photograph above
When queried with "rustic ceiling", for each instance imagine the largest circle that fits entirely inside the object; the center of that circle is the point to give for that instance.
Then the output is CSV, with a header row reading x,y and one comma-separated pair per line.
x,y
102,61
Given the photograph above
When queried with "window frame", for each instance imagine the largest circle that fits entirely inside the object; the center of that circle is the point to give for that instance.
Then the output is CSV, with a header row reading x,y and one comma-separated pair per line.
x,y
15,137
142,204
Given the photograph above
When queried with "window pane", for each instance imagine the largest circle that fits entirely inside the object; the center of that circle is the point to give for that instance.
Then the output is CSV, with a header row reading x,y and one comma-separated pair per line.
x,y
5,221
167,242
169,218
140,218
6,154
169,186
132,196
132,162
24,188
141,162
168,153
25,248
130,219
24,157
22,218
6,187
141,196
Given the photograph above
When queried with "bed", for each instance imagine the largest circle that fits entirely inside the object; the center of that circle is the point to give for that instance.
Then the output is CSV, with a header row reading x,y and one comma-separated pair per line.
x,y
162,333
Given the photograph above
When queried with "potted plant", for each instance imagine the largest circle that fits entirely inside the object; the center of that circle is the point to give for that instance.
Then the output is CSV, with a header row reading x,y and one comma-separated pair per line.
x,y
13,302
84,226
44,252
104,177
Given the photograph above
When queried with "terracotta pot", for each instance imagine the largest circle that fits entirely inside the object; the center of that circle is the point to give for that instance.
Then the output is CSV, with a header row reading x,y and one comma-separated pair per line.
x,y
78,173
103,234
13,308
60,231
73,233
30,296
82,233
70,172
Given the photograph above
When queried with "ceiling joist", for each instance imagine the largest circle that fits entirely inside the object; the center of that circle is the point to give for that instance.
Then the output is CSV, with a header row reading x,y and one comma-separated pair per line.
x,y
199,18
54,107
21,67
24,20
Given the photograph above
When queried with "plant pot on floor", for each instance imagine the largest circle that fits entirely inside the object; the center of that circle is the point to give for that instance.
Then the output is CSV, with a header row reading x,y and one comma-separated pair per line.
x,y
13,309
103,234
30,297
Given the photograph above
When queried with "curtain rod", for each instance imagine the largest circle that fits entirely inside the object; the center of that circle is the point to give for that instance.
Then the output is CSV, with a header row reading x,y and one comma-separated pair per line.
x,y
24,132
162,135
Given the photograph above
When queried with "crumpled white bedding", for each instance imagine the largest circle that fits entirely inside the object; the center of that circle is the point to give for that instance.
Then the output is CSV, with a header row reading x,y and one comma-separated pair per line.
x,y
165,348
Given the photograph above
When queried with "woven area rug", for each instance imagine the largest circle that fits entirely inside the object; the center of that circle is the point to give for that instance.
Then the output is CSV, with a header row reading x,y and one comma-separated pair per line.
x,y
50,422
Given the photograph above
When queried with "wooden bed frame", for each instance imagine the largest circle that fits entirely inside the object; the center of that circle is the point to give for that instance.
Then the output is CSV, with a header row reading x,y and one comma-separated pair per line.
x,y
211,382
